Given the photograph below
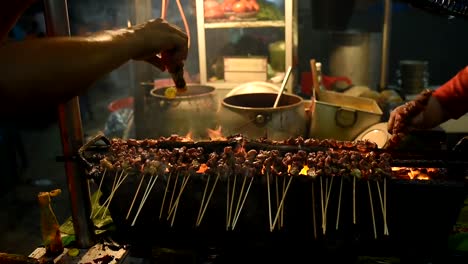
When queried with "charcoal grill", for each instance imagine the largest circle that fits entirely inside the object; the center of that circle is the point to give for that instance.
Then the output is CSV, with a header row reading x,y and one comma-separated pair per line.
x,y
420,213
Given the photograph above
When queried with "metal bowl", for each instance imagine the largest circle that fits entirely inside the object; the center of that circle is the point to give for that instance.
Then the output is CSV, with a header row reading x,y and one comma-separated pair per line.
x,y
254,87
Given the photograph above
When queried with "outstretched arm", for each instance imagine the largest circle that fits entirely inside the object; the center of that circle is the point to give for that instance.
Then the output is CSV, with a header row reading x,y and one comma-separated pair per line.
x,y
53,70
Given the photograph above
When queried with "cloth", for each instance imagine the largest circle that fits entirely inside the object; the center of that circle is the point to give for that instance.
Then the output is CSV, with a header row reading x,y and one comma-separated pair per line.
x,y
453,95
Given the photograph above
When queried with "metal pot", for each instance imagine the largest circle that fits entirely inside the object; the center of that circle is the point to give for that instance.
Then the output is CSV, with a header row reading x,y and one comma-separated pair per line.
x,y
253,115
191,112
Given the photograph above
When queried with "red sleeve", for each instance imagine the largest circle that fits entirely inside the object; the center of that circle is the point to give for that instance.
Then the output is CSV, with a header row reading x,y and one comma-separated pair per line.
x,y
453,95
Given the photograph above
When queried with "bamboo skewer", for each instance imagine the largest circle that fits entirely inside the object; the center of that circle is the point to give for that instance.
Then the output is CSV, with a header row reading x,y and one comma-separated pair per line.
x,y
269,199
181,190
227,202
383,209
281,204
282,209
203,199
232,201
243,202
208,200
385,202
277,197
97,192
239,200
328,191
147,192
354,199
172,195
135,197
339,204
111,196
372,209
164,195
322,205
313,210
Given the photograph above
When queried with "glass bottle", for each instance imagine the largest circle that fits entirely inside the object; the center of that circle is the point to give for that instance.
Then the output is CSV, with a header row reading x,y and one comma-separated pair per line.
x,y
50,227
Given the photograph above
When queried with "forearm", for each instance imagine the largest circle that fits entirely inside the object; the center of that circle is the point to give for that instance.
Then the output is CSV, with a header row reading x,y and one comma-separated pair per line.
x,y
56,69
453,95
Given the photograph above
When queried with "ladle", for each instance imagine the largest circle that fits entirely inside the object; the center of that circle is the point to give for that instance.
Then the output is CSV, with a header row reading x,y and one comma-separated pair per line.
x,y
283,86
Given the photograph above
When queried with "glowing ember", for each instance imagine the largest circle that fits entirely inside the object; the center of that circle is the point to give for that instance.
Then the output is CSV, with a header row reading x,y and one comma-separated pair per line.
x,y
304,170
215,134
203,168
415,173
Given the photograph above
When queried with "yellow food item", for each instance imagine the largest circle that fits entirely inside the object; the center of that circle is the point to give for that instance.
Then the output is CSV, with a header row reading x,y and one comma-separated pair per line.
x,y
73,252
170,92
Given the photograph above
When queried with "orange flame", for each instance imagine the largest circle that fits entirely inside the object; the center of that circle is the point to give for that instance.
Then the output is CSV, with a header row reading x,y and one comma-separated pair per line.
x,y
203,168
215,134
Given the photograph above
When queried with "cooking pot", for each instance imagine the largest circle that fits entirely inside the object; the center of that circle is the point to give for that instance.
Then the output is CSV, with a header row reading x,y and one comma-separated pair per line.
x,y
190,112
253,115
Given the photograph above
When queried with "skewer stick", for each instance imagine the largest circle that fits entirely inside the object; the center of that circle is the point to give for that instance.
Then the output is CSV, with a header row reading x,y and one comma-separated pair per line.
x,y
277,197
282,209
97,192
227,202
172,195
328,191
372,209
135,197
313,210
385,202
383,208
354,199
239,198
322,205
232,200
208,200
269,198
181,190
164,195
243,202
339,204
281,203
147,192
203,199
111,196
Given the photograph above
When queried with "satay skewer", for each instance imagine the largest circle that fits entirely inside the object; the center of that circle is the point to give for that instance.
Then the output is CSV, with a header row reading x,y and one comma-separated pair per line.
x,y
239,199
181,190
269,198
136,195
354,199
172,195
243,202
97,192
282,209
227,201
232,200
328,191
322,205
382,206
372,209
313,210
203,199
147,192
281,204
385,202
164,195
339,204
208,200
277,196
111,196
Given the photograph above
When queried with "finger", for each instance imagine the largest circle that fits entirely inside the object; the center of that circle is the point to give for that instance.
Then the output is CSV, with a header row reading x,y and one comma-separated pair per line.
x,y
157,62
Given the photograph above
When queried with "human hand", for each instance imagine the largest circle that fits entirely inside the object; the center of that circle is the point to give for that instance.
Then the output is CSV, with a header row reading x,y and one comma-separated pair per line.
x,y
162,44
424,112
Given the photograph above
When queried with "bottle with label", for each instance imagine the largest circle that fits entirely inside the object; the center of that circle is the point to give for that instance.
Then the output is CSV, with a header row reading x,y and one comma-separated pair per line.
x,y
50,227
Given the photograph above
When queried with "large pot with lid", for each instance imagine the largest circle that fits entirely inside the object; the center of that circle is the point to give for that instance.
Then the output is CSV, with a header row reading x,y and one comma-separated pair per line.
x,y
191,112
253,115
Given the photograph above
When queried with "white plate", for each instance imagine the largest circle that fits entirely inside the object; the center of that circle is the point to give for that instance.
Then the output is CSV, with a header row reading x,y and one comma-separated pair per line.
x,y
376,133
254,87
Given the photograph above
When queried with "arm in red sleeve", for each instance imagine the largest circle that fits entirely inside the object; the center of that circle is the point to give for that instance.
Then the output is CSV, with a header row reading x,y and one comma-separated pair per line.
x,y
453,95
